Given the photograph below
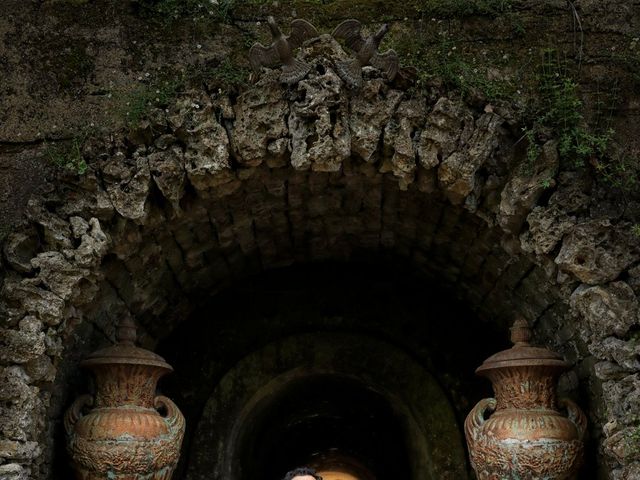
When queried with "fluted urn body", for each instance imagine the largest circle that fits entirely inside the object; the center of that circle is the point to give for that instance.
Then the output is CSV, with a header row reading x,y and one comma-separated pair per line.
x,y
522,433
127,432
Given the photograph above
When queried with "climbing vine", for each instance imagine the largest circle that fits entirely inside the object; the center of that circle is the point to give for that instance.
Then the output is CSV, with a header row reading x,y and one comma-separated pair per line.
x,y
556,110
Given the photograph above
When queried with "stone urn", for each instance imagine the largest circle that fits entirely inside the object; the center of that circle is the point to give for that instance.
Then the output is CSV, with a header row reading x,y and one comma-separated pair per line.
x,y
128,433
522,434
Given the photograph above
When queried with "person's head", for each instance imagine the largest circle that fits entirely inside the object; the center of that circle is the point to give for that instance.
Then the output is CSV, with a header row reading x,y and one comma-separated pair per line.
x,y
302,474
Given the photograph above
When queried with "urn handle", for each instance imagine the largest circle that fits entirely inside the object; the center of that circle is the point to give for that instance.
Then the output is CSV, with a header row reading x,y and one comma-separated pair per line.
x,y
74,413
171,414
476,418
575,414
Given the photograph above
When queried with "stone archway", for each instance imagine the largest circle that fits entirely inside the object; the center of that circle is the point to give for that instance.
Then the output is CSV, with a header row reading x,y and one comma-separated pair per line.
x,y
328,335
308,367
218,188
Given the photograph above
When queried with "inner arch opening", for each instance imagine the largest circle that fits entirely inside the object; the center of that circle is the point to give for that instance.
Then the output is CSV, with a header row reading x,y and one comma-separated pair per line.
x,y
337,424
344,366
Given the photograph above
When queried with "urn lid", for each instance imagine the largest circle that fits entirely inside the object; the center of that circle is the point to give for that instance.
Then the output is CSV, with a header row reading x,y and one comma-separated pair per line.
x,y
523,354
125,352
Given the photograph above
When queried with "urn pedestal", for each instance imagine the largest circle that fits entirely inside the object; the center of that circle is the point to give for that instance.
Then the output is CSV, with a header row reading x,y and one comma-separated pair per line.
x,y
128,433
521,434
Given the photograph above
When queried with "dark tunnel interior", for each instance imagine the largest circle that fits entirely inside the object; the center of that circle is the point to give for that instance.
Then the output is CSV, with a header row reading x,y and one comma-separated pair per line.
x,y
327,414
318,418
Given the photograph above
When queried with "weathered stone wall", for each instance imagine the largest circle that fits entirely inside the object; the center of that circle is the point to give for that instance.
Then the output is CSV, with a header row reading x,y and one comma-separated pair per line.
x,y
216,187
73,68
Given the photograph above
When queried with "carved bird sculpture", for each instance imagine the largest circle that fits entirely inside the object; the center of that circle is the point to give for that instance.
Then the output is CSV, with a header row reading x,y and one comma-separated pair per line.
x,y
280,52
366,53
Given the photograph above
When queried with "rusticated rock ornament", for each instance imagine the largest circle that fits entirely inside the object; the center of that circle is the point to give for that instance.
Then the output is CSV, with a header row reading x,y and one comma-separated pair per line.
x,y
124,437
525,437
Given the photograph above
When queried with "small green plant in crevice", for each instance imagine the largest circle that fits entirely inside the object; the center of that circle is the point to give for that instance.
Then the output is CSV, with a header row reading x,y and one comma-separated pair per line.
x,y
140,100
546,183
227,76
440,59
68,156
555,109
518,27
217,77
635,230
620,171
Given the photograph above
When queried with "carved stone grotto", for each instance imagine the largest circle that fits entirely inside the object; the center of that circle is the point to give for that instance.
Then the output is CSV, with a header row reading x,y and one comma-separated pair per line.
x,y
216,188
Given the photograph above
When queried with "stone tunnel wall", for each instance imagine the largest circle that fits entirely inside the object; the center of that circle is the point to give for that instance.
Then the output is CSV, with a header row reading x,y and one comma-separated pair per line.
x,y
217,187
